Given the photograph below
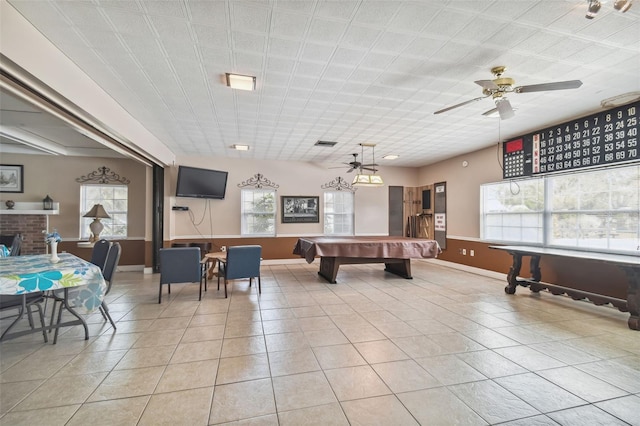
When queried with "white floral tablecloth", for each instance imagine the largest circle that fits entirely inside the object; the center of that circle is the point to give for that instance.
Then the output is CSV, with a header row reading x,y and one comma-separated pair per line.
x,y
31,273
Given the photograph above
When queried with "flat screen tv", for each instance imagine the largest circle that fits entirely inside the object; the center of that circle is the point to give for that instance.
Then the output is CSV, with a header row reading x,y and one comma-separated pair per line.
x,y
201,183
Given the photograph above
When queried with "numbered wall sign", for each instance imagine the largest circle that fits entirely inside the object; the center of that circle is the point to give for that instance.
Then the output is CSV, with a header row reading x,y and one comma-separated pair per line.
x,y
609,137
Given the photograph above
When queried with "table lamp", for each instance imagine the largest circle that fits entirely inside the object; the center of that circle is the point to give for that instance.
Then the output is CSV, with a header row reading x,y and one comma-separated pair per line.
x,y
97,212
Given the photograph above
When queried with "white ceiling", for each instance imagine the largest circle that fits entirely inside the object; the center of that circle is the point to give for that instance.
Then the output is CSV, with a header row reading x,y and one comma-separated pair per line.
x,y
347,71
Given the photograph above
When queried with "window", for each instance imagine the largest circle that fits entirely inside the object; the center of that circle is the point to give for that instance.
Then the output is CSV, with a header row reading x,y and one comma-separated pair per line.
x,y
114,200
338,213
594,210
598,210
513,211
258,212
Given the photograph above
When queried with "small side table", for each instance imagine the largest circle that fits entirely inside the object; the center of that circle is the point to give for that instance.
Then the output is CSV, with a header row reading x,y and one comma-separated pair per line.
x,y
212,259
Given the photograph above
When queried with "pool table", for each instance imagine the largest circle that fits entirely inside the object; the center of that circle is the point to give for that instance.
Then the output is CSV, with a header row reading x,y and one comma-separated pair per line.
x,y
395,252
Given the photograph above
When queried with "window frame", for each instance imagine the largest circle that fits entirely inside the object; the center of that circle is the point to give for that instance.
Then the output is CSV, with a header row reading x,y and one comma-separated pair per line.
x,y
583,238
119,217
326,213
244,231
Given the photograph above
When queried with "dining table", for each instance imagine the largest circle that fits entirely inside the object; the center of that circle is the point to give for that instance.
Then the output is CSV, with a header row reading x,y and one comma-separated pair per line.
x,y
78,284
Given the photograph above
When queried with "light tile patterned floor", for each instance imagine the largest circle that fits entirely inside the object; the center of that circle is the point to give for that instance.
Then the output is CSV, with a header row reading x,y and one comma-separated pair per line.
x,y
448,347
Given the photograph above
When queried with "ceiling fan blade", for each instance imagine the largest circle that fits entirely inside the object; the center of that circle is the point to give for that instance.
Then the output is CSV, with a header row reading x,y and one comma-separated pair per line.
x,y
459,105
369,168
351,169
504,108
370,165
559,85
487,84
490,112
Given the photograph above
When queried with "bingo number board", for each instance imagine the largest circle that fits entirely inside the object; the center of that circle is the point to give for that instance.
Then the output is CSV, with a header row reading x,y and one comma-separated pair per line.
x,y
607,137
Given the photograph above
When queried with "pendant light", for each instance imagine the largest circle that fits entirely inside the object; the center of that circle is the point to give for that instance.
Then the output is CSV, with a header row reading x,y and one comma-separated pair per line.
x,y
366,179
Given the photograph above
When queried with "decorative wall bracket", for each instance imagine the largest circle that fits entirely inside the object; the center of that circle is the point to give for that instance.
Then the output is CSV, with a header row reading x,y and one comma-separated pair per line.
x,y
258,181
339,184
103,175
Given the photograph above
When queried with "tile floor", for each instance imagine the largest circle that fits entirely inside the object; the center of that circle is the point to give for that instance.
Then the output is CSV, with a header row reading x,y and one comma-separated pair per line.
x,y
448,347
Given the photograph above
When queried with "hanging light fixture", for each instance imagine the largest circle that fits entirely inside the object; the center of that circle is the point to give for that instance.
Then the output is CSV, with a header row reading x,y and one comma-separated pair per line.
x,y
365,179
592,9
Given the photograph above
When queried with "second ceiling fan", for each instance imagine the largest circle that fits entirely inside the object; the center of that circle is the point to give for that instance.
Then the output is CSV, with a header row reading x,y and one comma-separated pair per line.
x,y
500,86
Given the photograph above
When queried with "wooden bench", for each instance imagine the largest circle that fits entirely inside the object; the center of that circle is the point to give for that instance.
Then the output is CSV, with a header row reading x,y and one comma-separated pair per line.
x,y
629,264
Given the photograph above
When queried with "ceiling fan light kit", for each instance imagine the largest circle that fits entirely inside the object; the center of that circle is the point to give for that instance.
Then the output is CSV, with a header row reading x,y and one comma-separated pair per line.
x,y
500,86
593,7
622,5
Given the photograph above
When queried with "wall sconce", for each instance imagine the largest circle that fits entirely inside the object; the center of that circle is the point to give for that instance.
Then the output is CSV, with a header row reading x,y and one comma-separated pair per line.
x,y
47,203
97,212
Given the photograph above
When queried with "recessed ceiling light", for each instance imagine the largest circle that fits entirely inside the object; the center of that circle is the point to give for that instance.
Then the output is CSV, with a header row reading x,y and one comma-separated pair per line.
x,y
390,157
240,147
241,82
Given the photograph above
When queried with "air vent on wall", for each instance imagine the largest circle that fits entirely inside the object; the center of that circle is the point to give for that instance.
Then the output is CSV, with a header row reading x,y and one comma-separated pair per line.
x,y
325,143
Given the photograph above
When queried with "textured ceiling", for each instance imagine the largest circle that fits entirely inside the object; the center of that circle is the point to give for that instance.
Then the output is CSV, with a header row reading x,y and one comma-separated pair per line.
x,y
346,71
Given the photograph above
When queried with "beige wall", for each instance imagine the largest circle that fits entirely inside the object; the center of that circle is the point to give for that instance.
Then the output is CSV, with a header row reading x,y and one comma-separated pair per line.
x,y
463,187
56,176
294,178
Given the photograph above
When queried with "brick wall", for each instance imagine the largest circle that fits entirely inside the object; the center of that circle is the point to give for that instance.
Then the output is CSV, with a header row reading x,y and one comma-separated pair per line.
x,y
30,226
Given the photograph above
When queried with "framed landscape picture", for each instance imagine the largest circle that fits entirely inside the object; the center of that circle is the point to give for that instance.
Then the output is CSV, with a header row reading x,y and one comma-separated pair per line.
x,y
300,209
11,178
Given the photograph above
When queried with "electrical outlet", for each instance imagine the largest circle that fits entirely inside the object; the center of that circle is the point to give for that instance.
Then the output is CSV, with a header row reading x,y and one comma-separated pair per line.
x,y
472,252
464,252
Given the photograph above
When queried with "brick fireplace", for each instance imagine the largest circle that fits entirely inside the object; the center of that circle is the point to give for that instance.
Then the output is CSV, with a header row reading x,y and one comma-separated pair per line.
x,y
30,226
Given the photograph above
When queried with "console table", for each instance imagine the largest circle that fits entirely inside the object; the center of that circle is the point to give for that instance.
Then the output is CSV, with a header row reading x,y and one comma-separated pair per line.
x,y
627,263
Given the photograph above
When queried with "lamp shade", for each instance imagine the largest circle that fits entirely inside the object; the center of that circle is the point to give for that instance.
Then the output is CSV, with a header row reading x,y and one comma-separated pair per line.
x,y
367,180
98,211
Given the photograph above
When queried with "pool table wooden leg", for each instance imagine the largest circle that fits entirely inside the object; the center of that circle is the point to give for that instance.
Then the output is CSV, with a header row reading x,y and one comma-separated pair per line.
x,y
329,268
402,268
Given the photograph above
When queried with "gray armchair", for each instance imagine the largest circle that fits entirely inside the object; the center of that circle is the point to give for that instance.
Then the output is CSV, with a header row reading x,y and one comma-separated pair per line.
x,y
181,265
241,262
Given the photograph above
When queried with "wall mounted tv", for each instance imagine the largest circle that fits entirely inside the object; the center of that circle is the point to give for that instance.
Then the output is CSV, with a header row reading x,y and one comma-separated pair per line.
x,y
201,183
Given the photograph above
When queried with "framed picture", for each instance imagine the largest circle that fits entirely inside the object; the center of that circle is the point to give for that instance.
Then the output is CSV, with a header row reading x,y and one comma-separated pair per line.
x,y
303,209
11,178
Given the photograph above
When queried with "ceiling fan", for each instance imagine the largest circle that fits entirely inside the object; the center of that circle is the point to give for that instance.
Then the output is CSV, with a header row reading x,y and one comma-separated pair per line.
x,y
499,87
356,165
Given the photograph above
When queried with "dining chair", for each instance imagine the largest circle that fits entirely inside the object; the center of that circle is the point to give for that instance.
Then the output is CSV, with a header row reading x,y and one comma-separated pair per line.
x,y
108,271
100,252
16,245
241,262
181,265
23,303
108,267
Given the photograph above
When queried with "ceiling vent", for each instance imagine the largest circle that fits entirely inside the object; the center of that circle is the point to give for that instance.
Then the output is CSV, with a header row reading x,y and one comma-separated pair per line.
x,y
325,143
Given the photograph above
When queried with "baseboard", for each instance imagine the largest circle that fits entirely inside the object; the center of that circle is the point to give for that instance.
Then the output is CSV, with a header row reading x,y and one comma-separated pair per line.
x,y
466,268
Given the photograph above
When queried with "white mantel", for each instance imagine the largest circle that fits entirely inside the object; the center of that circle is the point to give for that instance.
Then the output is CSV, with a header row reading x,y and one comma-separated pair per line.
x,y
29,208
